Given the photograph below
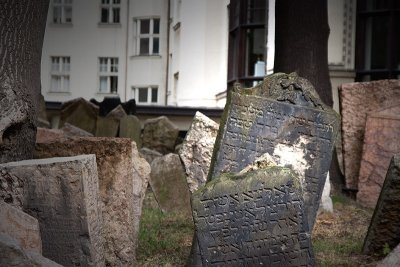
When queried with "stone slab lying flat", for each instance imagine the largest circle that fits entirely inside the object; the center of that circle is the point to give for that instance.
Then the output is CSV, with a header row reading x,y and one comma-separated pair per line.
x,y
254,219
20,226
62,193
123,178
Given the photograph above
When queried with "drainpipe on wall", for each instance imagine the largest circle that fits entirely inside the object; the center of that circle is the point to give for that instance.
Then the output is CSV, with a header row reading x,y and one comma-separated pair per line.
x,y
127,52
167,61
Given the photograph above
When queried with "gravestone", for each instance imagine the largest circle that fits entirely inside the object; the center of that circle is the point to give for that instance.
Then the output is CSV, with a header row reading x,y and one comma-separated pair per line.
x,y
106,127
62,193
384,228
44,134
282,116
123,178
356,100
130,127
160,134
149,154
382,130
71,130
20,226
391,260
110,103
253,219
11,189
196,150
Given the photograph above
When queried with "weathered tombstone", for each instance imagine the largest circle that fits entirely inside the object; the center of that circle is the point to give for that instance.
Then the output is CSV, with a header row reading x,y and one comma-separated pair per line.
x,y
384,229
282,116
110,103
12,254
44,134
20,226
160,134
149,155
168,182
71,130
253,219
130,127
391,260
11,189
117,113
106,127
382,130
123,178
62,193
80,113
197,150
356,100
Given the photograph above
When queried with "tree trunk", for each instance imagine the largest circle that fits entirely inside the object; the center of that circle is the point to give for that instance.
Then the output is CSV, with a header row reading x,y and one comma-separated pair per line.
x,y
301,45
22,26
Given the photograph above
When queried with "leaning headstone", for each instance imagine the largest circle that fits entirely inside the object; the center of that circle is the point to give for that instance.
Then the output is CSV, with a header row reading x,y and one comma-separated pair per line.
x,y
117,113
253,219
160,134
356,100
20,226
168,181
80,113
391,260
381,130
149,155
282,116
71,130
106,127
196,151
123,178
110,103
130,127
12,254
62,193
384,229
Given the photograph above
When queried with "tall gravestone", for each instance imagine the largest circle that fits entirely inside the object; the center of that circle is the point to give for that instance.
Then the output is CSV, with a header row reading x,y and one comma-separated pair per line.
x,y
384,229
62,193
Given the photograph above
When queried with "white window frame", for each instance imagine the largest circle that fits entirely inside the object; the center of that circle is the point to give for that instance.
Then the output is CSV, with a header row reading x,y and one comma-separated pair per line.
x,y
110,5
61,72
62,5
151,36
148,101
108,67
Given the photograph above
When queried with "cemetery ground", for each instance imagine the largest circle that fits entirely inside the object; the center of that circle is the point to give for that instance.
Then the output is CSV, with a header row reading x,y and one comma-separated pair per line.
x,y
165,239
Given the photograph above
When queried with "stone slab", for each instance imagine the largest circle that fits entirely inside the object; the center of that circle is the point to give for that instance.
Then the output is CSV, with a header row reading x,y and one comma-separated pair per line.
x,y
391,260
11,189
382,131
356,100
106,127
80,113
197,148
160,134
71,130
121,175
384,229
13,255
254,219
62,193
297,134
21,227
130,127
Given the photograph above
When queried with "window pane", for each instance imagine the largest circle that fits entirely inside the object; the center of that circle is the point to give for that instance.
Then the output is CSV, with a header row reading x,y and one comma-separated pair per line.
x,y
57,14
154,95
144,26
114,83
114,64
156,26
57,1
55,83
116,15
105,1
68,14
255,49
104,15
103,64
66,65
144,46
376,42
117,1
68,2
55,64
156,45
103,84
142,95
66,83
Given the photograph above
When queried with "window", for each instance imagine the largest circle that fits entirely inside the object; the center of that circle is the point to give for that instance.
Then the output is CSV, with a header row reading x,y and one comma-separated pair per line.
x,y
146,95
378,40
60,67
62,11
108,75
148,36
110,11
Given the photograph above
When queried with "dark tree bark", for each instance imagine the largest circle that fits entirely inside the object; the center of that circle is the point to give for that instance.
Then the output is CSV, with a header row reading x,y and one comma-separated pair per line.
x,y
22,26
301,45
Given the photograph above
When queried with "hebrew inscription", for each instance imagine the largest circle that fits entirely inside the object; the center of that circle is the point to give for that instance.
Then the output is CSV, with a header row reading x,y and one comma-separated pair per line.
x,y
253,220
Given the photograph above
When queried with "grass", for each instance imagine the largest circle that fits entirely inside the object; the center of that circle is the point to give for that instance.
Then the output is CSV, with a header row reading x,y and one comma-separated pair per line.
x,y
165,239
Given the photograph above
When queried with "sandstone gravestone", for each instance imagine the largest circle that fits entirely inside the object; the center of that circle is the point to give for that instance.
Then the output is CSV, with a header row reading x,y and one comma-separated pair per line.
x,y
149,154
382,131
123,178
253,219
130,127
356,100
62,193
106,127
197,150
80,113
13,255
160,134
282,116
20,226
168,181
71,130
384,228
